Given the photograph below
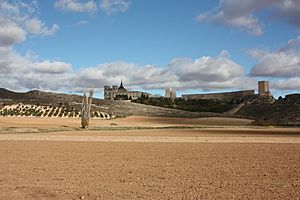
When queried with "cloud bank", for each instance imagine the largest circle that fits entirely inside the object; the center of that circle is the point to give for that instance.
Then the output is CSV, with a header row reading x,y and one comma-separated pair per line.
x,y
204,73
243,14
17,20
283,64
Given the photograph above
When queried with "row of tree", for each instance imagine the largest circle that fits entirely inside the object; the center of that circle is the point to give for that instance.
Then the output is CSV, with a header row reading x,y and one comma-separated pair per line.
x,y
199,105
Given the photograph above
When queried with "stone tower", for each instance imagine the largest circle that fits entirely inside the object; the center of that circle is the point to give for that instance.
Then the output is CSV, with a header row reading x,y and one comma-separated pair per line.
x,y
264,88
170,93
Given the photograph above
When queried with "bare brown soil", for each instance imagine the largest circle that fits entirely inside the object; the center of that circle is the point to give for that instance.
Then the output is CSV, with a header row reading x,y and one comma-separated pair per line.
x,y
96,170
179,163
129,121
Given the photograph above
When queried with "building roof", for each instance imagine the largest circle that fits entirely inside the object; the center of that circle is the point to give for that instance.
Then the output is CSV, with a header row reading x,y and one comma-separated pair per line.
x,y
122,87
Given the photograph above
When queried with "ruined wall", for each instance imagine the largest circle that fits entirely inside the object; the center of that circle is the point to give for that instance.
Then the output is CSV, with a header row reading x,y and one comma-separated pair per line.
x,y
220,96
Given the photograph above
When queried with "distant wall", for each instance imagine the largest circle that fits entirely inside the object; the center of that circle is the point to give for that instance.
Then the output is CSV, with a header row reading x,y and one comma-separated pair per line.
x,y
219,96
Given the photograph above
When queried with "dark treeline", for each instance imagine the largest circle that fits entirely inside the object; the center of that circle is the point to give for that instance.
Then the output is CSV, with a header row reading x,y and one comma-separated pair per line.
x,y
200,105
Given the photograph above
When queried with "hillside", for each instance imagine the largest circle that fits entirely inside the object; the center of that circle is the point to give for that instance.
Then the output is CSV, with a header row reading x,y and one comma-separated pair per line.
x,y
193,105
116,108
285,111
265,110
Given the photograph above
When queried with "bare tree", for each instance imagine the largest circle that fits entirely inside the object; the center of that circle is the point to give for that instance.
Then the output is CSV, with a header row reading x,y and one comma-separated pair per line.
x,y
86,109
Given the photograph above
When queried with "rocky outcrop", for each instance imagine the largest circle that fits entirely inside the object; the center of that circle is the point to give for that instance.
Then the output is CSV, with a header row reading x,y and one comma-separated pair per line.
x,y
266,111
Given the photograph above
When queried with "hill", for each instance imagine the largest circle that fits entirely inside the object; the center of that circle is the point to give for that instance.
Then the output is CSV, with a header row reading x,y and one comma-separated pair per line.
x,y
115,108
284,111
266,111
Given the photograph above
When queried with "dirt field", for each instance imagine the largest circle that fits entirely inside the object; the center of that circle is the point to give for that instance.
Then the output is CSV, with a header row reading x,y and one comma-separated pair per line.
x,y
129,121
156,161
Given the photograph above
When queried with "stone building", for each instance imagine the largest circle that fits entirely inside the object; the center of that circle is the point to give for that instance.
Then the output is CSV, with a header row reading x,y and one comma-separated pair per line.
x,y
264,88
170,93
121,93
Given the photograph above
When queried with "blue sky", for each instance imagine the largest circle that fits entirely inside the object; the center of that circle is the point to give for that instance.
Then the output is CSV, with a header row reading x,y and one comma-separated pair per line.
x,y
194,46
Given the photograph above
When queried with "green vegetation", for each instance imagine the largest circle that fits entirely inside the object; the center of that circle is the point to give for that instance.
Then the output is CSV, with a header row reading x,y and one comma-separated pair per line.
x,y
45,111
121,97
283,112
200,105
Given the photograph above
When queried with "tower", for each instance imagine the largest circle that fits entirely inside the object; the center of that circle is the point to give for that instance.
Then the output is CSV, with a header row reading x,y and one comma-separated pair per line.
x,y
107,92
170,93
264,88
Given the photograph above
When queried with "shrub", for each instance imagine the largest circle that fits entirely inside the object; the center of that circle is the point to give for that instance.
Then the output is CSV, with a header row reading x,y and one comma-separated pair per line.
x,y
96,114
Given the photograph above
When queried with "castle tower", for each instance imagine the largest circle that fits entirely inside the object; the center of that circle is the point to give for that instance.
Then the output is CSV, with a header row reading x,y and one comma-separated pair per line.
x,y
264,88
107,90
170,93
122,88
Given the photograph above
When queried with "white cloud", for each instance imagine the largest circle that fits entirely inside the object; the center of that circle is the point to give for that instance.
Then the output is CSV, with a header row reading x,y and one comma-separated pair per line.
x,y
17,18
77,6
290,9
287,84
284,62
204,73
25,72
241,14
249,24
113,6
82,23
110,73
41,81
206,69
10,61
282,65
294,42
37,27
91,6
10,33
277,64
51,67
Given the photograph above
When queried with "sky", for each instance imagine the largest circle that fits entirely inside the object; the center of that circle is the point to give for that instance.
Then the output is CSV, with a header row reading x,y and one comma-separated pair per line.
x,y
194,46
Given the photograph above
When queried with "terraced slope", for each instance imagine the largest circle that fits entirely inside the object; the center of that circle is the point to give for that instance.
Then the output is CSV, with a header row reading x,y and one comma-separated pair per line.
x,y
47,111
